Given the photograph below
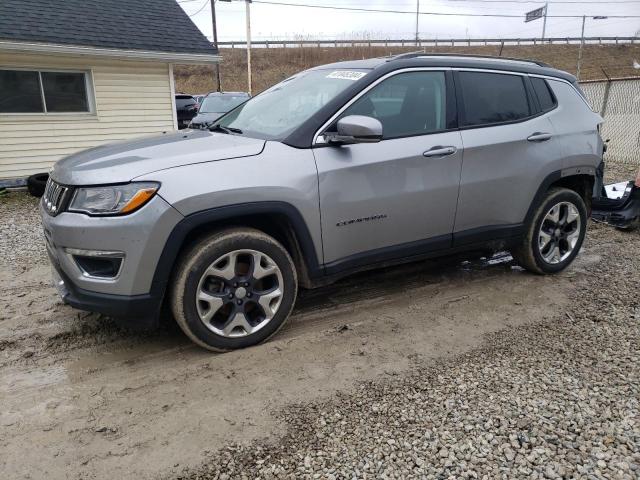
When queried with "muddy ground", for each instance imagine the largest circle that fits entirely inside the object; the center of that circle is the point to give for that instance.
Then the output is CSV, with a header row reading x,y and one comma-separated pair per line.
x,y
83,398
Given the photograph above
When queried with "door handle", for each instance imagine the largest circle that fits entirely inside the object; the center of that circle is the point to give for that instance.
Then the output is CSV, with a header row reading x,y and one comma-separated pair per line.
x,y
440,151
539,137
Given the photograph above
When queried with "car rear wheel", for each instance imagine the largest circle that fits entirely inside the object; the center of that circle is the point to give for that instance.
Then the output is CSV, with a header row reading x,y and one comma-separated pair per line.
x,y
233,289
555,233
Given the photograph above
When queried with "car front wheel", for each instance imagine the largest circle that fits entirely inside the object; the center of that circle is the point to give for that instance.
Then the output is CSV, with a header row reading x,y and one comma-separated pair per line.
x,y
555,233
233,289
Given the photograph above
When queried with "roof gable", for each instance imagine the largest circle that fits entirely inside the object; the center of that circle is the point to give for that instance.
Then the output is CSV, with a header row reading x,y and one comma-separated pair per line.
x,y
149,25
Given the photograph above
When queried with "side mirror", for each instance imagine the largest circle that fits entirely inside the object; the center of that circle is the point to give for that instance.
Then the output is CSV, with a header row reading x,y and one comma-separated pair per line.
x,y
356,129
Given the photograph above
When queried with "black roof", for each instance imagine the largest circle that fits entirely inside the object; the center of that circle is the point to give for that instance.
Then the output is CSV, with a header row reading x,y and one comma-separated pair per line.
x,y
153,25
452,60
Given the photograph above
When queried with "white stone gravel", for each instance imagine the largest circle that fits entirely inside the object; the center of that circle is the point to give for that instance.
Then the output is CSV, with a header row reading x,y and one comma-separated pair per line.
x,y
21,238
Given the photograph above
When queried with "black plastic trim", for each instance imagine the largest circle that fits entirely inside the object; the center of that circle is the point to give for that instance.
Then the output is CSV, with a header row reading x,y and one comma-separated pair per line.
x,y
189,223
387,254
487,234
144,309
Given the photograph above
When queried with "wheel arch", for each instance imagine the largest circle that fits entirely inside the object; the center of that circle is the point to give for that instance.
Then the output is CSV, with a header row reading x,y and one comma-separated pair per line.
x,y
280,220
579,179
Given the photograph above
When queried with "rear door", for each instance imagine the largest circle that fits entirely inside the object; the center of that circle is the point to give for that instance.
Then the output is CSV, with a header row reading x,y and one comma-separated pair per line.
x,y
509,148
397,197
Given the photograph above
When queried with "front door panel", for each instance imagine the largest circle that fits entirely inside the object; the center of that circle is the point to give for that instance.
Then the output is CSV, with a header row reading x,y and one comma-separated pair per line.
x,y
374,196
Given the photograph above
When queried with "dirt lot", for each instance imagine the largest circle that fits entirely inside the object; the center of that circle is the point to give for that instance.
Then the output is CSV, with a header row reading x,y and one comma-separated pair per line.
x,y
363,372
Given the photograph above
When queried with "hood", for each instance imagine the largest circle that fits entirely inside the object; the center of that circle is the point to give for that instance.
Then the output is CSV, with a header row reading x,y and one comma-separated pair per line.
x,y
206,117
122,162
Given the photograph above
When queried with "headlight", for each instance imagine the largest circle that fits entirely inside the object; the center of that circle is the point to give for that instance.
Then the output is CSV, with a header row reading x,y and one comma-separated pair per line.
x,y
112,199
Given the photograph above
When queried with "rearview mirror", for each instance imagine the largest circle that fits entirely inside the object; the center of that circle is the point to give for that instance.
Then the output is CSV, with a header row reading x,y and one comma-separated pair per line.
x,y
356,129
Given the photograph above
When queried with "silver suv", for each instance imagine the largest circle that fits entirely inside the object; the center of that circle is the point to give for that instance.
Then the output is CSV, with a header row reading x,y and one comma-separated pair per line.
x,y
337,169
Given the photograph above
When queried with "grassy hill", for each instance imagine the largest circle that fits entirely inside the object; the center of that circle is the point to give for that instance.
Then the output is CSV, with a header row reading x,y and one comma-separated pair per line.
x,y
275,64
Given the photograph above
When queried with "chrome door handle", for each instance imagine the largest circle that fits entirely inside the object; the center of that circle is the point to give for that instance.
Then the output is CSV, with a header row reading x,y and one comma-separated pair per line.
x,y
440,151
539,137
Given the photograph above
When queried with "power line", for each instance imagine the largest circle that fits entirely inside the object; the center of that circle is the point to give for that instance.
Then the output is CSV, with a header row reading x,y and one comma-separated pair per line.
x,y
377,10
543,1
200,9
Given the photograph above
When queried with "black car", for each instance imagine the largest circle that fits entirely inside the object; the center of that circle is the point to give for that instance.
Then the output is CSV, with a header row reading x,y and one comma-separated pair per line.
x,y
186,109
215,105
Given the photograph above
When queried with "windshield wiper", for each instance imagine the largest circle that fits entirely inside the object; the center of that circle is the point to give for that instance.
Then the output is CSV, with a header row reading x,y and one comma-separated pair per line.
x,y
219,128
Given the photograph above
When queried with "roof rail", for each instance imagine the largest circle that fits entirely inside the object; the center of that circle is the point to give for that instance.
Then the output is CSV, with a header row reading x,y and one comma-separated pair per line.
x,y
465,55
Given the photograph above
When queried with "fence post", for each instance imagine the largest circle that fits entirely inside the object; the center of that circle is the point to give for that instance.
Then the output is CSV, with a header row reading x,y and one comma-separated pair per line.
x,y
607,89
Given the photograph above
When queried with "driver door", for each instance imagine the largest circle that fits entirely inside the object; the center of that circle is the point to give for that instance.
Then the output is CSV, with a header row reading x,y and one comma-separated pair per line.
x,y
396,198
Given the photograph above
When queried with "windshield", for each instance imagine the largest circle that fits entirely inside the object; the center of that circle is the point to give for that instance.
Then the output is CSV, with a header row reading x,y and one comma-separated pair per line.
x,y
221,103
284,107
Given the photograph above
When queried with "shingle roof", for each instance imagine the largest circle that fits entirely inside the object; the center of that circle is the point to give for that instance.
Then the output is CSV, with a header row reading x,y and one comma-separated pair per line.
x,y
154,25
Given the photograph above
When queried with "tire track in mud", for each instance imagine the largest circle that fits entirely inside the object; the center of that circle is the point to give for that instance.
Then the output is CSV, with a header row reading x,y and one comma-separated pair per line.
x,y
48,328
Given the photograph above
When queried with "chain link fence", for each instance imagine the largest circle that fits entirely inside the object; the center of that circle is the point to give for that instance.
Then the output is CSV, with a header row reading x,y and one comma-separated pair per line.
x,y
618,101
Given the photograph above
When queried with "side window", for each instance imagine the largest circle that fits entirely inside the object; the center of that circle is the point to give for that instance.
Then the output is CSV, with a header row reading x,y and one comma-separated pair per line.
x,y
23,91
543,92
493,98
406,104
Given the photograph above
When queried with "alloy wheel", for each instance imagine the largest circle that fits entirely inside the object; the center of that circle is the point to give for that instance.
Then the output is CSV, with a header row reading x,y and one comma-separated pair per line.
x,y
239,293
559,232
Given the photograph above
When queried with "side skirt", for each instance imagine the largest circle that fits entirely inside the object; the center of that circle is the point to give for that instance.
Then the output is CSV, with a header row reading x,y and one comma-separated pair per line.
x,y
489,239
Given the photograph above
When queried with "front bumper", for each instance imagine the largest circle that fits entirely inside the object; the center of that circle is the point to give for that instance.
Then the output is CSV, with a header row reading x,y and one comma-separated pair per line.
x,y
145,309
619,207
140,236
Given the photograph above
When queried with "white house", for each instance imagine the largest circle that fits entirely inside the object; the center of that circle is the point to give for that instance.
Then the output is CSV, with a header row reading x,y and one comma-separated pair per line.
x,y
75,74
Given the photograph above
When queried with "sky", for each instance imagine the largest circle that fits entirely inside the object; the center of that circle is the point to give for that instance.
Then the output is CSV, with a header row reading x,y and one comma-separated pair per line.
x,y
279,22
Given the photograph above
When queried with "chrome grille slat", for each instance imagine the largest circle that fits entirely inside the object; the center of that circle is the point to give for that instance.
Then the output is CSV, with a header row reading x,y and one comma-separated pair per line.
x,y
54,196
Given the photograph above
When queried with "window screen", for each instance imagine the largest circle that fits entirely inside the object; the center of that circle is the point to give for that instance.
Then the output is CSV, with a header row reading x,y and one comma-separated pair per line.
x,y
543,92
406,104
20,92
493,98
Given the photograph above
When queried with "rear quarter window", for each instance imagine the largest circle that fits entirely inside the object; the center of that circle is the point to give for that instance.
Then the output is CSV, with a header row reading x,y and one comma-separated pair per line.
x,y
490,98
544,94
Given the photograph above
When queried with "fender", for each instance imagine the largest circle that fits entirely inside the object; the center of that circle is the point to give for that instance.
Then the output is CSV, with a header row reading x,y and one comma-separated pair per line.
x,y
229,212
552,178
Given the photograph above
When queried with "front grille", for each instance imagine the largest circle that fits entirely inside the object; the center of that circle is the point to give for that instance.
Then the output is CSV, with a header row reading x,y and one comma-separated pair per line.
x,y
54,197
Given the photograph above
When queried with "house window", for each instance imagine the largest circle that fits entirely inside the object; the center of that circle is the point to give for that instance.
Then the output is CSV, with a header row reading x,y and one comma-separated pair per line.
x,y
28,91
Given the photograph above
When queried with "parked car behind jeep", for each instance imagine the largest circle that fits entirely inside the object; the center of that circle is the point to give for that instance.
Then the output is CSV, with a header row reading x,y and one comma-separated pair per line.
x,y
186,109
340,168
216,104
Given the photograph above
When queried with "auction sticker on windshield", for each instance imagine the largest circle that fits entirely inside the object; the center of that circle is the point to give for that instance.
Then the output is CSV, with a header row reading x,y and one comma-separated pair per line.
x,y
347,75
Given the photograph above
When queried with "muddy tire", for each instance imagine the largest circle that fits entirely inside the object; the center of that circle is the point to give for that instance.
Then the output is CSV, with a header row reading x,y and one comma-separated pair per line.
x,y
554,234
233,289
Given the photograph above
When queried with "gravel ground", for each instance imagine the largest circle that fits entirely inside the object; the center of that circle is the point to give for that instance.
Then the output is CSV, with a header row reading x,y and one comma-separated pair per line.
x,y
21,240
554,400
559,399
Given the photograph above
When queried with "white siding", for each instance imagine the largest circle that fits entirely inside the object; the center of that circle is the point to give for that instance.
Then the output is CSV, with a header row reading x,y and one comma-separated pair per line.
x,y
132,99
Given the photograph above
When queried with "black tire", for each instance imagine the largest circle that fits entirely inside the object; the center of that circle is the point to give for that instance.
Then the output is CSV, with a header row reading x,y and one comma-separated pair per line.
x,y
191,267
37,183
528,253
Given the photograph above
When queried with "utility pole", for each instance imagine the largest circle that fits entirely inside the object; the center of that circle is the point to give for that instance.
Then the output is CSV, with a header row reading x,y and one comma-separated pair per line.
x,y
584,19
417,22
544,20
215,44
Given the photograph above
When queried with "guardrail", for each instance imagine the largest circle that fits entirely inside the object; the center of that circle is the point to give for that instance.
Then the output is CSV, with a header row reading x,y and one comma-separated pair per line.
x,y
450,42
